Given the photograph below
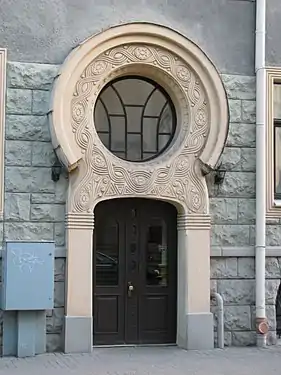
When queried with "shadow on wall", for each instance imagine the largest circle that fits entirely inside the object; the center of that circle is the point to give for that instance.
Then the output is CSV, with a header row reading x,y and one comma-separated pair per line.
x,y
278,312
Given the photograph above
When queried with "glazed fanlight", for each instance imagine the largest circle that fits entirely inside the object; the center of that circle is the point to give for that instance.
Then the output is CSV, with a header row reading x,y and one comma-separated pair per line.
x,y
135,118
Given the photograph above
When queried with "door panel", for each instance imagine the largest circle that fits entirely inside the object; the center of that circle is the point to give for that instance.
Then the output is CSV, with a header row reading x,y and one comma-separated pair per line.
x,y
108,279
155,313
159,276
135,275
107,314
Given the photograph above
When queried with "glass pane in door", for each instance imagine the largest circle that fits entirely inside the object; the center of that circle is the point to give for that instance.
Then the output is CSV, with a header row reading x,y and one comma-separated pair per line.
x,y
107,254
156,253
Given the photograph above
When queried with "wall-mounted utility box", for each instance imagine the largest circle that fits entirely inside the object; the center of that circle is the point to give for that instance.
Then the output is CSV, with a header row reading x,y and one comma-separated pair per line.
x,y
28,276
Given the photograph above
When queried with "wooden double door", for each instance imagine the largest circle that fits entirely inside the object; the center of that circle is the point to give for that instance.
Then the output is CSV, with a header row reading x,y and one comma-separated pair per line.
x,y
135,272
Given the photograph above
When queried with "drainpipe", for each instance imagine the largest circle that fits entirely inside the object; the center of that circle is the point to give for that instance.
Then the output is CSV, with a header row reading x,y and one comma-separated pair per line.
x,y
220,315
261,321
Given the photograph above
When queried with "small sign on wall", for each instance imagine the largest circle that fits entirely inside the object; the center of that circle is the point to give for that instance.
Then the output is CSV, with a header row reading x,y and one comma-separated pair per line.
x,y
28,276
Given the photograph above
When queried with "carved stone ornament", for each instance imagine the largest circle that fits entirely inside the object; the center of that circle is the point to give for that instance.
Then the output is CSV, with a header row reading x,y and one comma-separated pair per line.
x,y
174,176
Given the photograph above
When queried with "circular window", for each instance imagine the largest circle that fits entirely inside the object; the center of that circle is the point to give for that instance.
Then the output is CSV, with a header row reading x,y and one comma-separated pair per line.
x,y
135,118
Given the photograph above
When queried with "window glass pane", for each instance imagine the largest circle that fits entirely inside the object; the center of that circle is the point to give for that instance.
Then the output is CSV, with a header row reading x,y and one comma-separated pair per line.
x,y
134,147
278,160
166,121
107,255
148,155
277,101
101,119
121,155
150,135
163,140
155,104
156,254
117,133
112,101
105,139
133,91
134,118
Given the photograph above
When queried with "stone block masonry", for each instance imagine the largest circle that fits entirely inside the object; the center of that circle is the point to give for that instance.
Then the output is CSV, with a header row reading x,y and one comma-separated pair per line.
x,y
234,279
232,208
232,204
35,205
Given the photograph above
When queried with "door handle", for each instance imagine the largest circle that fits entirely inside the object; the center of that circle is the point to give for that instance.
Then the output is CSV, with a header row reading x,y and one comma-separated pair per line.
x,y
130,289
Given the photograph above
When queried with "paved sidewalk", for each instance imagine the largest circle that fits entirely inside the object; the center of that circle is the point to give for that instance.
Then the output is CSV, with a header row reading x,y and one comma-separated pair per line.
x,y
150,361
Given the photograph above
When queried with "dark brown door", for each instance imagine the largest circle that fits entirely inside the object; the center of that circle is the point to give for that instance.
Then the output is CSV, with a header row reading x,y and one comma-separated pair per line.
x,y
135,272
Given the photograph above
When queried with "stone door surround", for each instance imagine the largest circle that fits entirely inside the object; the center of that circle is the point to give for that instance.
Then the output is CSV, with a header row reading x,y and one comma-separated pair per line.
x,y
176,176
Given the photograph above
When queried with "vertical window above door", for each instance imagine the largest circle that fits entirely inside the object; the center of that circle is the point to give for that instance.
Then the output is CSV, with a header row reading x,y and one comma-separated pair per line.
x,y
273,143
3,62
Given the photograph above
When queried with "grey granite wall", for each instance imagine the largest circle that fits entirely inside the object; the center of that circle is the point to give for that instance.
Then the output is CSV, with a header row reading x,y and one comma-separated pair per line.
x,y
234,279
55,317
232,208
35,205
232,204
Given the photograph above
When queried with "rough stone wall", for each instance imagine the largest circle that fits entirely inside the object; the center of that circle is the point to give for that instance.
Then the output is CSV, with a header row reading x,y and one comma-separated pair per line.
x,y
34,204
234,278
232,208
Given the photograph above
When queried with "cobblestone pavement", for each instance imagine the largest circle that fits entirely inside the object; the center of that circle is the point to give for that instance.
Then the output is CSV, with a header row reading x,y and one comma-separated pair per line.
x,y
150,361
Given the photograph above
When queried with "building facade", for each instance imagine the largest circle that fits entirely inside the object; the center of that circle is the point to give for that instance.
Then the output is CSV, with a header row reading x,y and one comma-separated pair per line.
x,y
155,103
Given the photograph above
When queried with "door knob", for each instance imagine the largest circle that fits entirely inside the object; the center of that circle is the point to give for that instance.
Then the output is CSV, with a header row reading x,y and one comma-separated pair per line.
x,y
130,289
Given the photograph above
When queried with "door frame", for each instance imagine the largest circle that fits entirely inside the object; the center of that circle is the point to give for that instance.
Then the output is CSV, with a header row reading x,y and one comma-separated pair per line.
x,y
145,214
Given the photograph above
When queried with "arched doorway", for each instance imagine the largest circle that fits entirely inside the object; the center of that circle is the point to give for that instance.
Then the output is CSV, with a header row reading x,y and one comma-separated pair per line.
x,y
135,272
187,146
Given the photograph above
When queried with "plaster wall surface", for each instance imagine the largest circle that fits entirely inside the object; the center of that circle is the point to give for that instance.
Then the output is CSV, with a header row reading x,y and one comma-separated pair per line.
x,y
46,31
273,30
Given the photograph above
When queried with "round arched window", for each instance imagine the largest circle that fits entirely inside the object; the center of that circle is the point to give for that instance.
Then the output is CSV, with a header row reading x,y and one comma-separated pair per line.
x,y
135,118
